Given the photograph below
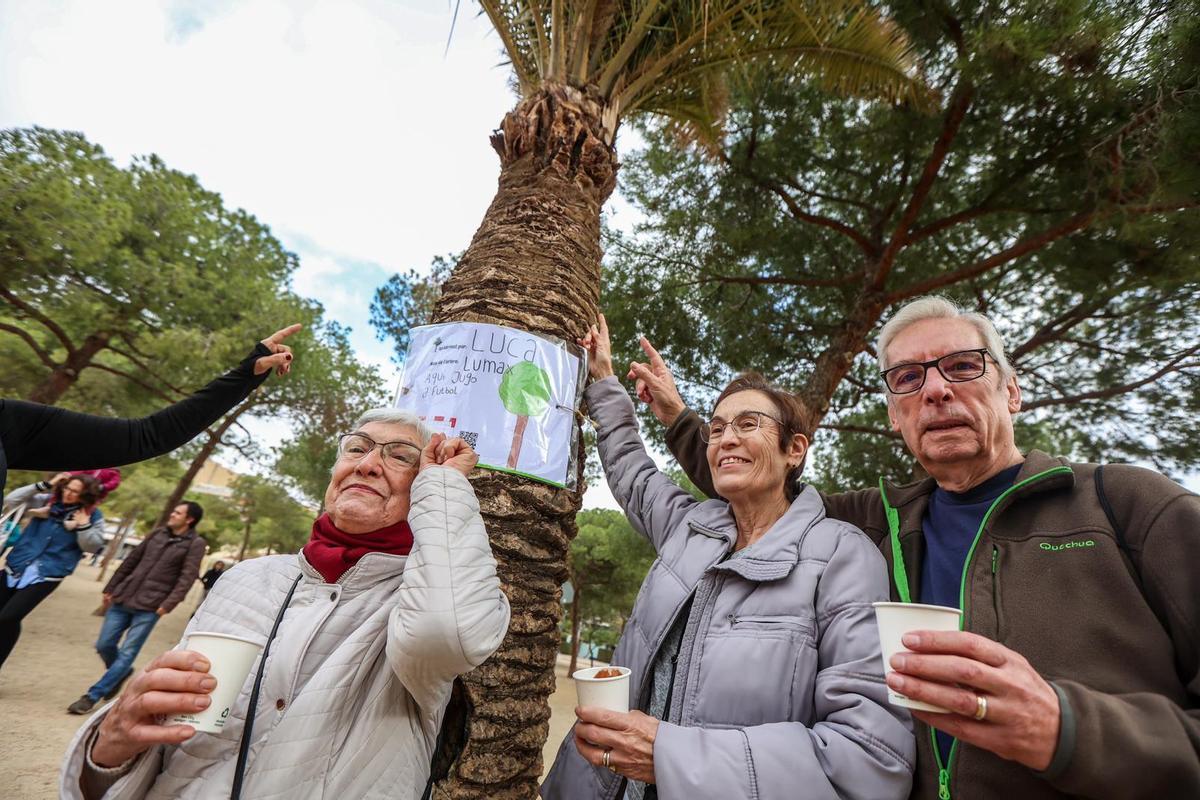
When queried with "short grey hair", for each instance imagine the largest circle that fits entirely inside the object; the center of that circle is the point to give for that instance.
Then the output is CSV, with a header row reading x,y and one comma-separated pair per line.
x,y
396,416
937,307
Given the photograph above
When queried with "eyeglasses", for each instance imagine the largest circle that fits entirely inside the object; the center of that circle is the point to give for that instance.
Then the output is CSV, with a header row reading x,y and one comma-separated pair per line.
x,y
398,455
743,424
959,367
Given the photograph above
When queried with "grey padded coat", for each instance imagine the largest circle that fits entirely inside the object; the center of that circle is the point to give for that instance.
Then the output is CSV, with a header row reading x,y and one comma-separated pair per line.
x,y
784,696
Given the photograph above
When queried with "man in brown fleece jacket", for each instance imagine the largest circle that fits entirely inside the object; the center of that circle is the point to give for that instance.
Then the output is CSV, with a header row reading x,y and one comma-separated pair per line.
x,y
1077,672
150,582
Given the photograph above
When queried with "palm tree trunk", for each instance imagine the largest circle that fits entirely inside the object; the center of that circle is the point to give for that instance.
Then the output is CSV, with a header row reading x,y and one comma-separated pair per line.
x,y
534,264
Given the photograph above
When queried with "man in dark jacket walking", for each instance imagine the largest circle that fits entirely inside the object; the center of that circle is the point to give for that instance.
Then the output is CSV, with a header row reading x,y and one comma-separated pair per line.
x,y
1077,669
151,581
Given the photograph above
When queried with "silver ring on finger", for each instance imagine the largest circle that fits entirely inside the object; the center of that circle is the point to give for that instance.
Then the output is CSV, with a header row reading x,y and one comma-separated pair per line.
x,y
981,707
607,760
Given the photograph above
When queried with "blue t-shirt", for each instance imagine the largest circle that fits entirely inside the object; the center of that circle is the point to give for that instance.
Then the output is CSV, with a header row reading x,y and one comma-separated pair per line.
x,y
950,525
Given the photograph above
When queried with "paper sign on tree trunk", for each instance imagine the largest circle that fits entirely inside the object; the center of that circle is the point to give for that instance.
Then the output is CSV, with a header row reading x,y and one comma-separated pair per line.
x,y
510,394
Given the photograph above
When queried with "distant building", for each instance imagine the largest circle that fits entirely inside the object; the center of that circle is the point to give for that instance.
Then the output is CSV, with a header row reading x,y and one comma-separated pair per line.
x,y
214,479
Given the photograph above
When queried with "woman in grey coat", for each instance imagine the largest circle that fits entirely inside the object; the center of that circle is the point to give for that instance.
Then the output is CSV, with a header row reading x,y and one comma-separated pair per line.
x,y
756,663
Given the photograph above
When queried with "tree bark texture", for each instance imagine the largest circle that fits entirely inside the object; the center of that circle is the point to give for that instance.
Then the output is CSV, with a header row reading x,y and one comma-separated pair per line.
x,y
533,264
66,374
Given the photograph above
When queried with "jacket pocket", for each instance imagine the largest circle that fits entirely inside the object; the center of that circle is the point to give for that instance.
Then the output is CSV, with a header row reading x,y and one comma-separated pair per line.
x,y
783,625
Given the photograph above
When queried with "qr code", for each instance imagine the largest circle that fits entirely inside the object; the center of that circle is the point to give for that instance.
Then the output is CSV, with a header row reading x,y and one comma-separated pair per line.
x,y
470,437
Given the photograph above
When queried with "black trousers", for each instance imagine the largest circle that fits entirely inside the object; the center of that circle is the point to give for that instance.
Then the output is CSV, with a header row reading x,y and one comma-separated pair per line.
x,y
15,605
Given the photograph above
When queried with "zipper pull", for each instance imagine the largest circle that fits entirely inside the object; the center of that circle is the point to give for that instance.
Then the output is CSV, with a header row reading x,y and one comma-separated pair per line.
x,y
995,554
944,784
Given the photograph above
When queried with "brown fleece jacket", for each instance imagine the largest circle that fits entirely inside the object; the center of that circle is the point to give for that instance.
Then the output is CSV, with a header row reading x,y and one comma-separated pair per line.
x,y
159,572
1047,579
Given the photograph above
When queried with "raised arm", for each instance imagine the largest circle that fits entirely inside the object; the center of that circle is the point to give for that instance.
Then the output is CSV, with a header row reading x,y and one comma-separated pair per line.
x,y
653,502
451,614
655,386
45,437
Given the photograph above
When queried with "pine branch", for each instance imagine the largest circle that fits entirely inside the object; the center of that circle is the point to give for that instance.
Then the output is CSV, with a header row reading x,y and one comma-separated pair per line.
x,y
42,355
955,114
1179,363
1021,248
33,313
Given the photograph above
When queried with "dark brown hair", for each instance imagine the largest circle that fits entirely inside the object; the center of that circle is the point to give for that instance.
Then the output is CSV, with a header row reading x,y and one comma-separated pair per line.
x,y
792,415
91,489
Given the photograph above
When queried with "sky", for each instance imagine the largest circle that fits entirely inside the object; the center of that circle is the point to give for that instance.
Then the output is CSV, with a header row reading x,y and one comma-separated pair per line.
x,y
356,129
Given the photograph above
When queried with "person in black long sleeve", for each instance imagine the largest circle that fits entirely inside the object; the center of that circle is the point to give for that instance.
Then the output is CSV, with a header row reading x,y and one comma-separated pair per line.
x,y
34,436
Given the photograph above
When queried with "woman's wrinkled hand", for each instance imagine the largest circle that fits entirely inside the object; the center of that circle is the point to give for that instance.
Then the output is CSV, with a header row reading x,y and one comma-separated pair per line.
x,y
177,682
281,358
627,737
599,349
454,453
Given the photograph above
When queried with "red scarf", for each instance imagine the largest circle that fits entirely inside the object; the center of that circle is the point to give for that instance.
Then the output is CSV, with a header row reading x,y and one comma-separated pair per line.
x,y
332,551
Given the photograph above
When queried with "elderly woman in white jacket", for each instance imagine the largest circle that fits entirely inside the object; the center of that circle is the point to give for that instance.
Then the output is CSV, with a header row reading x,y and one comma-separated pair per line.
x,y
359,672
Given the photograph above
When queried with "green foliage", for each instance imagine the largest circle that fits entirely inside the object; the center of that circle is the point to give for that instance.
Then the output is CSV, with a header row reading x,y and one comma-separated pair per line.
x,y
143,489
1056,190
406,301
608,562
98,264
261,506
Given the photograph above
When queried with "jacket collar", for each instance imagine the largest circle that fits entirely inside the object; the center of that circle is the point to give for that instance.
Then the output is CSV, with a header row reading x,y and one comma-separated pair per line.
x,y
370,570
911,499
1036,462
776,554
187,535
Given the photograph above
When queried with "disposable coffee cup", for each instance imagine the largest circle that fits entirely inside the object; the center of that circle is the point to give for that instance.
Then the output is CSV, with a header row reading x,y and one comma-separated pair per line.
x,y
611,693
230,658
895,620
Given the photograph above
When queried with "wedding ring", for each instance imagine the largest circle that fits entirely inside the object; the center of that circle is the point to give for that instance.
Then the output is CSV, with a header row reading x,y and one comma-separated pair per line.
x,y
980,707
607,756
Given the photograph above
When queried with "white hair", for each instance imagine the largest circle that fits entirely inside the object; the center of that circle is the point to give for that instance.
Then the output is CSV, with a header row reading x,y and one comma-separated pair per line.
x,y
395,416
937,307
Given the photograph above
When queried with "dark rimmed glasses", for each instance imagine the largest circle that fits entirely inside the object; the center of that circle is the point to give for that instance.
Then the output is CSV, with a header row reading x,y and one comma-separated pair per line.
x,y
957,367
743,424
399,455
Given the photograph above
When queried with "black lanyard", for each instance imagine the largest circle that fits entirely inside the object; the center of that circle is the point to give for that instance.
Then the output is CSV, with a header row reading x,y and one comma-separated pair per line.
x,y
244,748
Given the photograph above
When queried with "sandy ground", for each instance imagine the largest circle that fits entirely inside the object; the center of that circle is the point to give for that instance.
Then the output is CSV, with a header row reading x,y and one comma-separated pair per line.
x,y
54,663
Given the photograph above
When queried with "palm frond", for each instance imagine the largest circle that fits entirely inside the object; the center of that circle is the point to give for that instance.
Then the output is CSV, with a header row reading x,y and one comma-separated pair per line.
x,y
663,56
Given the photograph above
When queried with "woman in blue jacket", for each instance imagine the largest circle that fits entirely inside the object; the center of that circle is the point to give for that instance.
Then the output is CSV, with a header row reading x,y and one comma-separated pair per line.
x,y
48,551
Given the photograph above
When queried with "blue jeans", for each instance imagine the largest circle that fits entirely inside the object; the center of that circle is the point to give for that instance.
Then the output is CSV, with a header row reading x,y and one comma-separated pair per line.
x,y
118,656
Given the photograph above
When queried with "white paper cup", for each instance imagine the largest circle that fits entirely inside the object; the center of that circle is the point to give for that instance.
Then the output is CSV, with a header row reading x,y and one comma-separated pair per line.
x,y
610,693
231,658
895,620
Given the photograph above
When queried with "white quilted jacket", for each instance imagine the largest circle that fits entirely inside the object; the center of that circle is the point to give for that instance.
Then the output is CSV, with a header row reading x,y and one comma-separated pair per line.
x,y
359,674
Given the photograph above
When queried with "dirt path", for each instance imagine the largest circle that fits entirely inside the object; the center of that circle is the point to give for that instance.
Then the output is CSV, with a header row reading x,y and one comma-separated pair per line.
x,y
54,663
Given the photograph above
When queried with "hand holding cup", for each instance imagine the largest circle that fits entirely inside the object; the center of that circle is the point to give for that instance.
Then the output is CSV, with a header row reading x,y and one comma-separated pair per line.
x,y
176,682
